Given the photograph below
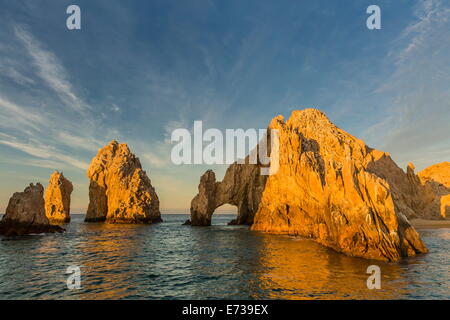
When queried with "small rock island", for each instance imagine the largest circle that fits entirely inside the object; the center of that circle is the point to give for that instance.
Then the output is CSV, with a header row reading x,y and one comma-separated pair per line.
x,y
25,214
120,191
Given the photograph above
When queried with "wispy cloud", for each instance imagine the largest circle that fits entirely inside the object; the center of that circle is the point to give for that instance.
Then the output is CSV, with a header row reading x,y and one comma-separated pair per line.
x,y
40,163
153,160
37,126
39,150
115,108
32,133
432,16
418,95
50,69
13,73
80,142
12,114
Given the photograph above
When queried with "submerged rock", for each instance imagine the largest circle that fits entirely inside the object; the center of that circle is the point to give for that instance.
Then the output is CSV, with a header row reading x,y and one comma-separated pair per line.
x,y
329,187
57,198
120,191
25,213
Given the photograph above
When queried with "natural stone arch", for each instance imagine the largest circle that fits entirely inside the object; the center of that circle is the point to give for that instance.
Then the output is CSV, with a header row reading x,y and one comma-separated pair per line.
x,y
329,186
242,187
228,210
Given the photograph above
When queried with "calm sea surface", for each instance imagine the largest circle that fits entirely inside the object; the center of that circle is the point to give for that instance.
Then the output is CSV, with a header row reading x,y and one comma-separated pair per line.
x,y
171,261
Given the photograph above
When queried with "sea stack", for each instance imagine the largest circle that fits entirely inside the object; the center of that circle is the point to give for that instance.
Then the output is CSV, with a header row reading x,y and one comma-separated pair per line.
x,y
57,198
329,187
120,191
25,213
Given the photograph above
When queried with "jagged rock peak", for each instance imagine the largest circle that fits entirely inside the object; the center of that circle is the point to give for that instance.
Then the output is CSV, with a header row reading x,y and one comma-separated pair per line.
x,y
120,191
57,198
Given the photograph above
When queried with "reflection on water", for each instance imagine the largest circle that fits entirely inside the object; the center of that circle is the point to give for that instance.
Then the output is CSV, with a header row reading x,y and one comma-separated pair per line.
x,y
170,261
107,259
301,269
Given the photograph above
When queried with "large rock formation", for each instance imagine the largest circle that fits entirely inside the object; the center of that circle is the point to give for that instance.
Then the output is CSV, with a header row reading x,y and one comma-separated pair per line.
x,y
437,178
120,191
329,187
25,213
57,198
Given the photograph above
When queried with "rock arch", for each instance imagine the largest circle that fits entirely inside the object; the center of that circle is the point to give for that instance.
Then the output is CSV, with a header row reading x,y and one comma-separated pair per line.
x,y
329,187
242,187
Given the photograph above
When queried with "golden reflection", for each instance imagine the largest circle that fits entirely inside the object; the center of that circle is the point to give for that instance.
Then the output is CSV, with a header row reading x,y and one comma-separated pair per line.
x,y
294,268
107,260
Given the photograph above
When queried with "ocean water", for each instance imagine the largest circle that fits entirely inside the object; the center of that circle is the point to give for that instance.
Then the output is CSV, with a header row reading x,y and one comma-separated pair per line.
x,y
171,261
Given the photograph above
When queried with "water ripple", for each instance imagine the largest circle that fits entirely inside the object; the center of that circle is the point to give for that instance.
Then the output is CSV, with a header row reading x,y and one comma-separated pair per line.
x,y
170,261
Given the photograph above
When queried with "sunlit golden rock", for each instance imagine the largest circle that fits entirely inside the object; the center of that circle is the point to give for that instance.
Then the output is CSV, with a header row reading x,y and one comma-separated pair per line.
x,y
437,178
332,188
57,198
242,186
120,191
329,188
25,213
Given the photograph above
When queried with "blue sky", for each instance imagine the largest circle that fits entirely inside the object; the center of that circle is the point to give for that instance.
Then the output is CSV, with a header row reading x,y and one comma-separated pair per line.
x,y
138,69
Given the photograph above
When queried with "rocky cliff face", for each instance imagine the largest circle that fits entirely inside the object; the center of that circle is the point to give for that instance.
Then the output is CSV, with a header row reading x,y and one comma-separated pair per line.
x,y
120,191
411,198
330,187
25,213
437,178
57,198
